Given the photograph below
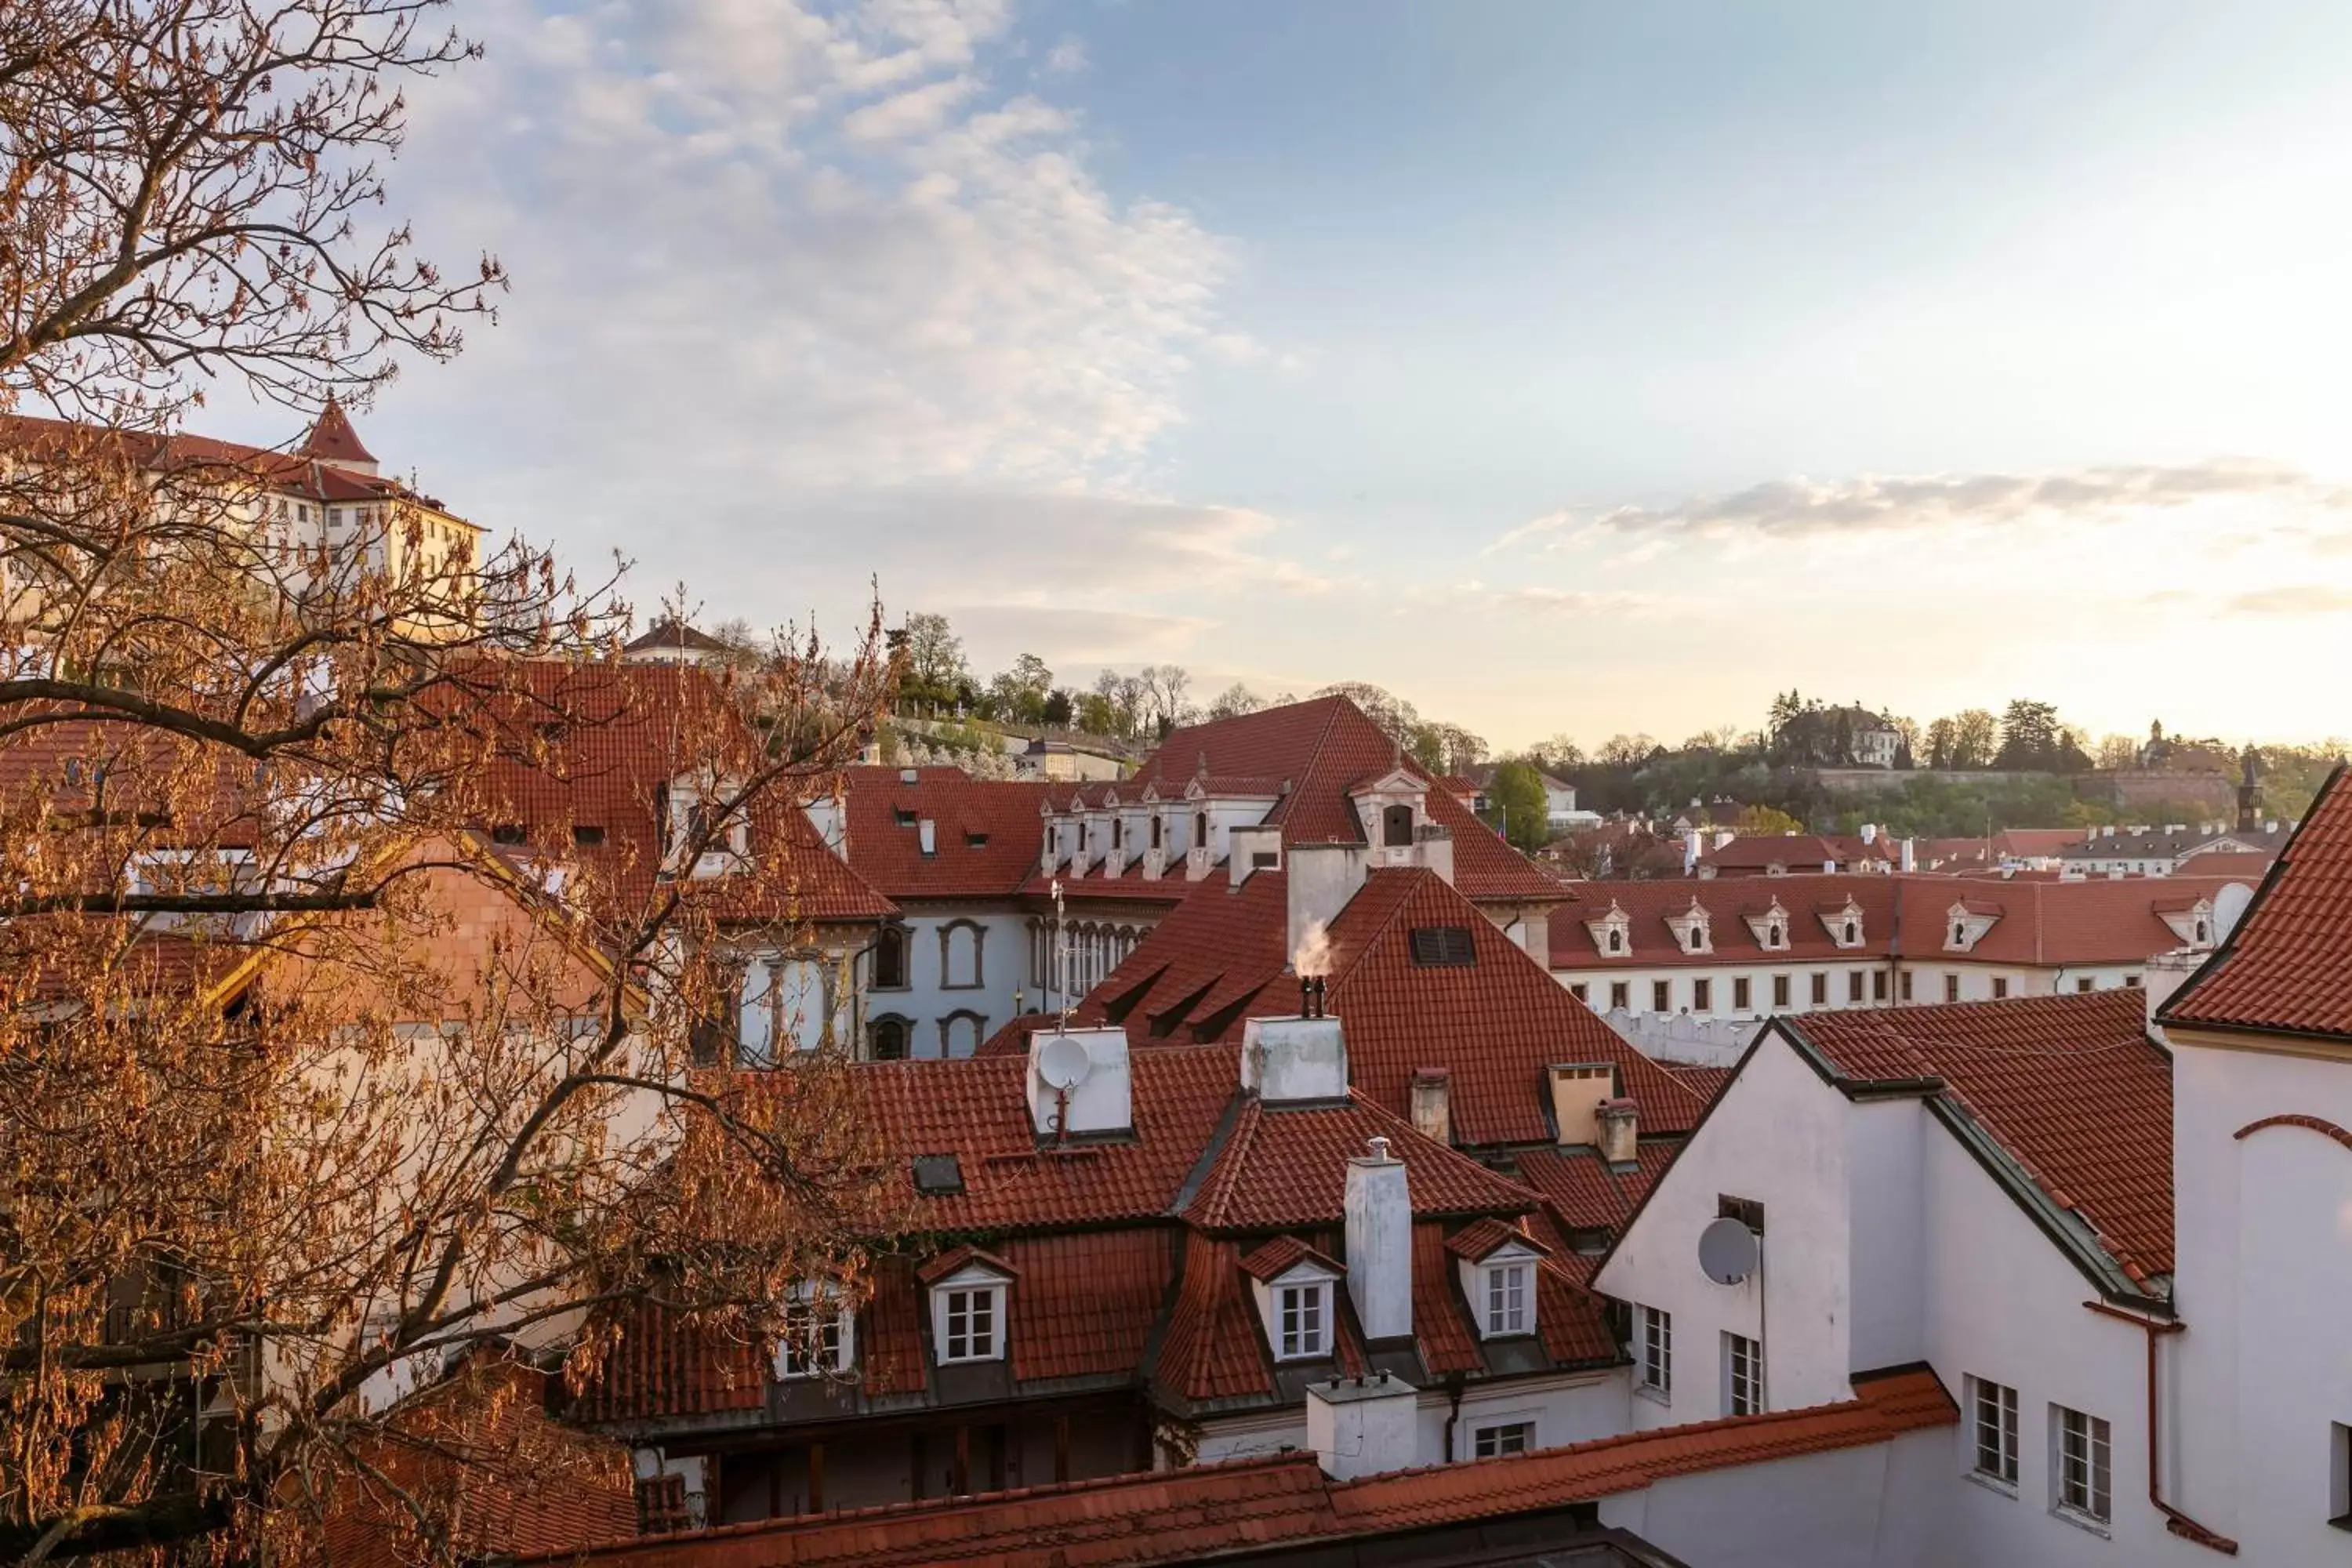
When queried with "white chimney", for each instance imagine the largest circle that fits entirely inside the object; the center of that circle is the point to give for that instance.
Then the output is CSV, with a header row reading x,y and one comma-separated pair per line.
x,y
927,832
1079,1083
1364,1425
1870,833
1320,879
1379,1243
1252,850
1287,1061
1910,861
1691,839
1616,1131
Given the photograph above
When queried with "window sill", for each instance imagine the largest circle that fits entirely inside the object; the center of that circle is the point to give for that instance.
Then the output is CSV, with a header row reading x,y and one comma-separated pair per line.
x,y
2083,1521
1993,1484
968,1359
1654,1396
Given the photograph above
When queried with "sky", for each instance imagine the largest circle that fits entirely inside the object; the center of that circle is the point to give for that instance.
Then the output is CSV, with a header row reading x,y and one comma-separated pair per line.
x,y
1563,367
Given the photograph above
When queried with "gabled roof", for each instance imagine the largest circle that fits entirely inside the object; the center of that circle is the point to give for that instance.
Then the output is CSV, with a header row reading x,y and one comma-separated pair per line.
x,y
1205,1511
984,832
1321,747
1283,1253
296,473
1288,1165
1483,1238
2069,1089
1495,1023
614,736
671,633
2287,966
1650,943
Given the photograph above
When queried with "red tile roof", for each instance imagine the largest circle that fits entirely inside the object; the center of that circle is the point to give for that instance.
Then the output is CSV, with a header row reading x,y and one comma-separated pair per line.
x,y
621,734
1204,1511
1282,1253
1212,1350
2287,968
332,440
300,473
1586,1195
2070,1085
2040,923
479,1453
674,634
1085,1304
1495,1024
1320,748
1288,1165
985,836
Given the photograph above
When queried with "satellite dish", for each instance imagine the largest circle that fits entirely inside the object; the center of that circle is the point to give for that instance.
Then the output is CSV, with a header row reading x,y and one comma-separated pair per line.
x,y
2229,909
1727,1251
1062,1062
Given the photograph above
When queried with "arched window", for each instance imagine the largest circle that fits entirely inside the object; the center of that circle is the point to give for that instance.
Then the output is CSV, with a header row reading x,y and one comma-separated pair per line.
x,y
2201,931
1199,830
1852,933
1616,939
890,959
960,956
889,1036
960,1034
1396,826
1959,934
1119,833
1157,831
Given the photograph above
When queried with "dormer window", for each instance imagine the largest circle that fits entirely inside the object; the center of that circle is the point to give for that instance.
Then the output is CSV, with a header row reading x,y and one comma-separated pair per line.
x,y
1396,826
968,1289
1690,929
1302,1320
1199,830
1850,934
1959,933
818,1337
1508,1306
1611,932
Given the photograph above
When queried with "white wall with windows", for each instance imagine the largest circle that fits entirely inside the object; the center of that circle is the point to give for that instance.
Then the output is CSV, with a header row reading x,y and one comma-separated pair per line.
x,y
1783,1143
944,980
1730,990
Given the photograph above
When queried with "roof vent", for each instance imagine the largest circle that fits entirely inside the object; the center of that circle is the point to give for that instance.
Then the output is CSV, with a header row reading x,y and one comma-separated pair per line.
x,y
908,775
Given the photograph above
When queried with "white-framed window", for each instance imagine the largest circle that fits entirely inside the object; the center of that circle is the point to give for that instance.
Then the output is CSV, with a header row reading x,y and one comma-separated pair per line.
x,y
1507,1308
1502,1439
1302,1320
818,1335
1743,1375
1655,1348
1992,1431
2080,1483
972,1320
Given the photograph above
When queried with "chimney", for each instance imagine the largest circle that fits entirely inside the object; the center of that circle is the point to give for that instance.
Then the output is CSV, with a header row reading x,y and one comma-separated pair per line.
x,y
1432,1108
1363,1426
1252,850
927,832
1615,1128
1079,1083
1910,861
1577,1094
1870,833
1287,1061
1379,1243
1691,839
1320,879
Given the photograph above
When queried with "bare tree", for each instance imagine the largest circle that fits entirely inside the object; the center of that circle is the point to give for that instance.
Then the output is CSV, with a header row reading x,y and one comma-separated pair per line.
x,y
1235,700
333,1048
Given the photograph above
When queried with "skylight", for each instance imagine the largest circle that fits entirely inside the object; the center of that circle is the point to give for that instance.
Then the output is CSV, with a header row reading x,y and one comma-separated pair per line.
x,y
1444,947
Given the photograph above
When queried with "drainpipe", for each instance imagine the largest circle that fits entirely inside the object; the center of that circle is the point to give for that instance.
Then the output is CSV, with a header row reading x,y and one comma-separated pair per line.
x,y
1453,1412
2175,1521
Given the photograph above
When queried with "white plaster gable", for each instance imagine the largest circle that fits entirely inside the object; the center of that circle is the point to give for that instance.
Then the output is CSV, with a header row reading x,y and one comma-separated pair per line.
x,y
1769,926
1965,927
1692,930
1615,921
2192,924
1839,919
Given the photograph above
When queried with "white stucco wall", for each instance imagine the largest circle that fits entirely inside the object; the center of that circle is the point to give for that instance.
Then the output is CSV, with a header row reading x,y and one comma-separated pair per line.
x,y
1779,1135
1598,977
1886,1197
1853,1508
2264,1267
927,999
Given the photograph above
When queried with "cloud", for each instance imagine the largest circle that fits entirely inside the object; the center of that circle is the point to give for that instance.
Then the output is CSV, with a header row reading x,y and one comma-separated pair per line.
x,y
2293,599
1800,508
1067,58
785,270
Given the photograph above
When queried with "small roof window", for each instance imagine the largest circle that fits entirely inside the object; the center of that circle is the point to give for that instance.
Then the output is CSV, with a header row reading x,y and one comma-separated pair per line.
x,y
1444,947
938,1176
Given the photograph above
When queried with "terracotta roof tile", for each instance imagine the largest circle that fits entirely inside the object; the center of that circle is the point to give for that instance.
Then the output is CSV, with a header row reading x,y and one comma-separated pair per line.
x,y
1485,1237
1578,1186
1211,1347
1440,1327
1321,747
1288,1165
985,832
2288,965
1085,1304
1280,1253
1208,1511
2070,1085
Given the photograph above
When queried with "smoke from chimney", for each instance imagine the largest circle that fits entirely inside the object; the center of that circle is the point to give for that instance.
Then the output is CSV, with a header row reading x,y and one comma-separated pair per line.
x,y
1312,958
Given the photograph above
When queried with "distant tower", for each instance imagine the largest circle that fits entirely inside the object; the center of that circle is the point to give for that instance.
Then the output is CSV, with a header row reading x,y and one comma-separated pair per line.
x,y
2250,792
